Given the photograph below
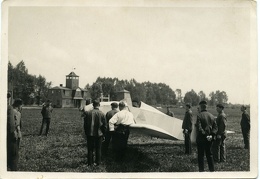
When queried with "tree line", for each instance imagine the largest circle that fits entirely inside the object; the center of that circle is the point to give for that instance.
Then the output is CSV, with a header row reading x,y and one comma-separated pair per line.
x,y
33,89
152,93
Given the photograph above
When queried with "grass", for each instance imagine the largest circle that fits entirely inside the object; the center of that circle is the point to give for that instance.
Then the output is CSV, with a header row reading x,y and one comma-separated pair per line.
x,y
65,150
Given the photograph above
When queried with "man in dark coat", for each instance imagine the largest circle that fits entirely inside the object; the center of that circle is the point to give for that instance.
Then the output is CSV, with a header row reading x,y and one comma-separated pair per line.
x,y
46,116
13,134
245,126
219,148
95,127
187,128
206,131
108,134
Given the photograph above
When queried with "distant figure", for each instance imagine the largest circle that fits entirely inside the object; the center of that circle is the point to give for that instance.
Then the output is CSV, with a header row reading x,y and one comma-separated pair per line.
x,y
84,109
14,134
169,113
108,134
198,109
187,128
95,128
119,123
245,126
219,148
46,116
206,131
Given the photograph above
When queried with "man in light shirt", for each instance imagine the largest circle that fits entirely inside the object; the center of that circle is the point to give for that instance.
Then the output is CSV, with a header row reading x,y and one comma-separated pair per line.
x,y
119,124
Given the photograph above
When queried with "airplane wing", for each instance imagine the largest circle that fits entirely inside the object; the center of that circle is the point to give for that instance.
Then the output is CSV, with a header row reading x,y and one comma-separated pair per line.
x,y
151,130
150,121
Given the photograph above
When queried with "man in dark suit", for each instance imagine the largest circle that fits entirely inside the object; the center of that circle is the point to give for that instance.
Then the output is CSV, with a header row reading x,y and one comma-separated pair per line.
x,y
187,128
219,148
95,127
108,134
206,131
245,126
46,116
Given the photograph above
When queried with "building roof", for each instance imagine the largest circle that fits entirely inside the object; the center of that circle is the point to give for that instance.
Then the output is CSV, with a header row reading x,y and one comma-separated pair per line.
x,y
59,87
72,74
123,91
82,89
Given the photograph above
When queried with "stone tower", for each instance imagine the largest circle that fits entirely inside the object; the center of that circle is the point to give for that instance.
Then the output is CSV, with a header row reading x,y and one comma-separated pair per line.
x,y
72,81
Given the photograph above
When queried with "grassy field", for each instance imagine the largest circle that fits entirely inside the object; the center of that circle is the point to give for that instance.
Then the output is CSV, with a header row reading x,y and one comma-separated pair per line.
x,y
65,150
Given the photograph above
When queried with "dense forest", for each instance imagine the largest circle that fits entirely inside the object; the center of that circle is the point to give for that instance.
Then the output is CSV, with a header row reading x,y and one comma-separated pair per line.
x,y
33,89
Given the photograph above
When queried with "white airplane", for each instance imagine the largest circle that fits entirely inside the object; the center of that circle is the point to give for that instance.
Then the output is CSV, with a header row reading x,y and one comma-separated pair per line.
x,y
148,120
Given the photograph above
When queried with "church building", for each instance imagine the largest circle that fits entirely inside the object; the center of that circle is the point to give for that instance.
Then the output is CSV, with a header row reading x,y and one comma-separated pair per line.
x,y
71,95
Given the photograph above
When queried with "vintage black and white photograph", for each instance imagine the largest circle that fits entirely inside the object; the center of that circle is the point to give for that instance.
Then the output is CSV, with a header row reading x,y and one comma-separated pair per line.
x,y
129,89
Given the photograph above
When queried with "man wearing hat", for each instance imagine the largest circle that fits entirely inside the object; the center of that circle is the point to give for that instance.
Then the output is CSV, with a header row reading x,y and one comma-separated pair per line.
x,y
95,127
108,134
46,116
219,149
119,124
14,134
245,126
187,128
206,131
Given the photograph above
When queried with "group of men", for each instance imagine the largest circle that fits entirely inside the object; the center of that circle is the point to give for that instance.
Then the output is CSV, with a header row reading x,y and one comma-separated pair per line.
x,y
211,133
100,129
114,125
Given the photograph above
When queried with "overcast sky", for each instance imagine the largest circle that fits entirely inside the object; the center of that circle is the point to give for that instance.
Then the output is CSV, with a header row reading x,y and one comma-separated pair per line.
x,y
186,47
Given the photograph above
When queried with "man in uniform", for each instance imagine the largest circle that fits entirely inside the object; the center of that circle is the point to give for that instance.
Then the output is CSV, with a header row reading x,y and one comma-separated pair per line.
x,y
187,128
219,148
206,131
108,134
95,128
245,126
119,124
13,134
46,116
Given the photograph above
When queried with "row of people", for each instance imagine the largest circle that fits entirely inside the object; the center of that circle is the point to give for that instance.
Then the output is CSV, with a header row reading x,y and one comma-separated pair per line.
x,y
211,133
100,129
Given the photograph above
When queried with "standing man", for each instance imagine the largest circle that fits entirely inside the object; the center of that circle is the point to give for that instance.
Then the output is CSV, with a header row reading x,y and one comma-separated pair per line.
x,y
219,148
187,128
206,131
14,134
108,134
119,123
94,127
169,113
245,126
11,138
46,116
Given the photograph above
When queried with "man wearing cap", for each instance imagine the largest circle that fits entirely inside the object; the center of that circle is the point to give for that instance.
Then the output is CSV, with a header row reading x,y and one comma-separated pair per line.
x,y
46,116
95,127
108,134
219,149
14,134
187,128
245,126
119,123
206,131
